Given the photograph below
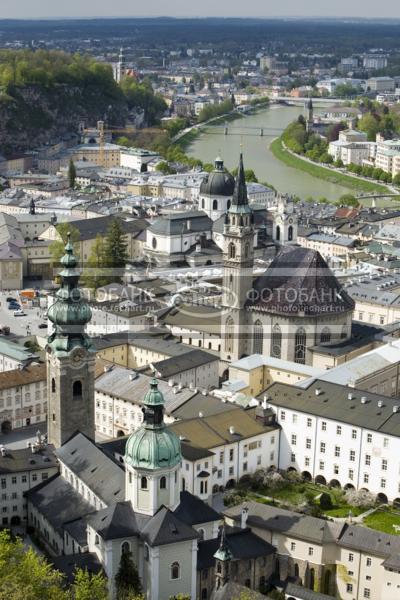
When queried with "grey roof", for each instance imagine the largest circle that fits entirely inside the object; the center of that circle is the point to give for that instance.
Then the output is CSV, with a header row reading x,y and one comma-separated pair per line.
x,y
117,521
332,402
23,459
98,471
294,524
175,365
166,528
193,511
195,317
77,529
302,593
231,590
298,281
10,251
89,228
68,564
242,543
57,500
369,540
184,222
116,448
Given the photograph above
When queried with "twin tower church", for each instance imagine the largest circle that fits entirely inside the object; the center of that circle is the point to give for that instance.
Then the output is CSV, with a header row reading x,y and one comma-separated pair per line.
x,y
99,506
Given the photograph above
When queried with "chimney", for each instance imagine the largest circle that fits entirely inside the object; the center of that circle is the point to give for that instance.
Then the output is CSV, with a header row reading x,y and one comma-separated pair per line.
x,y
243,517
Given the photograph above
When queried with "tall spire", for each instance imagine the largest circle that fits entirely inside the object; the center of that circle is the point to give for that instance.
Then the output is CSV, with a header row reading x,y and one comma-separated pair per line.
x,y
240,192
32,208
223,553
223,556
69,313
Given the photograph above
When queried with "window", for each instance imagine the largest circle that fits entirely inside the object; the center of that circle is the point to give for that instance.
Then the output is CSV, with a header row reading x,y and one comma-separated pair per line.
x,y
349,588
53,385
231,454
125,548
385,442
321,465
310,551
367,593
96,540
221,458
307,461
276,341
367,460
351,557
13,480
300,341
154,242
245,466
368,561
322,447
292,458
283,415
366,478
215,204
229,335
163,483
175,570
308,443
294,418
383,483
336,469
294,439
231,251
337,451
293,546
338,430
325,335
384,464
354,434
143,483
352,456
323,425
258,337
351,474
77,389
309,422
369,438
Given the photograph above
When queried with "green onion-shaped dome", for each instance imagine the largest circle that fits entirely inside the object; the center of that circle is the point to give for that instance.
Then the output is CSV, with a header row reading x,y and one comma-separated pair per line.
x,y
153,446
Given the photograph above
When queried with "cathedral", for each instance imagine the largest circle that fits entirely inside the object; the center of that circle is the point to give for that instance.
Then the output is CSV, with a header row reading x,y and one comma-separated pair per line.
x,y
101,505
296,304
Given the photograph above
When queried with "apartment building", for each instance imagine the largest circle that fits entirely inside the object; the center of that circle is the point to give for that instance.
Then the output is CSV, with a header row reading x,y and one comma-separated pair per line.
x,y
340,436
23,397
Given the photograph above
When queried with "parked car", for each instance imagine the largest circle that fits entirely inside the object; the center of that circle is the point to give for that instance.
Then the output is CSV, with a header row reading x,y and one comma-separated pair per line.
x,y
10,299
19,313
42,326
14,306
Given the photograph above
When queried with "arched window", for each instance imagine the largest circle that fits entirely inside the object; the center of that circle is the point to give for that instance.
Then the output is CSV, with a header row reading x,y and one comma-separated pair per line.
x,y
219,567
125,547
77,389
325,335
228,205
154,243
203,203
175,570
278,233
246,251
96,540
143,483
276,341
258,338
163,483
229,335
290,233
300,346
230,280
215,204
53,385
231,251
183,484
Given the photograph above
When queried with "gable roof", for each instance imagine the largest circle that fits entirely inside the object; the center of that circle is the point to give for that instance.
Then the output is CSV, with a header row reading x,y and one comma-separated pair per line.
x,y
193,511
116,521
166,528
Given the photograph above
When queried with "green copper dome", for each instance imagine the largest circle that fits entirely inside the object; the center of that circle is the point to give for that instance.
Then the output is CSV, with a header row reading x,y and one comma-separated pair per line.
x,y
69,313
153,446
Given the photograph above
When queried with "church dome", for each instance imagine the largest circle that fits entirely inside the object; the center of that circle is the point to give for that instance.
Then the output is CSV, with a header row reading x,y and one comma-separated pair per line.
x,y
153,446
219,182
298,282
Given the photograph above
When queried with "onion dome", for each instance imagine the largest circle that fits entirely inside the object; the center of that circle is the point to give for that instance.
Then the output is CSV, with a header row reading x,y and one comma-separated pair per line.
x,y
219,182
153,446
69,313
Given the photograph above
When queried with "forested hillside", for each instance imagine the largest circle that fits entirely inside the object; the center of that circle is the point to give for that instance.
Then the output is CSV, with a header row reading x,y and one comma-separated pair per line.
x,y
45,94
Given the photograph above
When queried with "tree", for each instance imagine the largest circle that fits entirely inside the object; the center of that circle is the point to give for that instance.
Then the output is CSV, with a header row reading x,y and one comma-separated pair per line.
x,y
71,174
249,175
347,200
127,580
25,574
88,586
396,179
360,498
56,248
370,124
115,252
93,274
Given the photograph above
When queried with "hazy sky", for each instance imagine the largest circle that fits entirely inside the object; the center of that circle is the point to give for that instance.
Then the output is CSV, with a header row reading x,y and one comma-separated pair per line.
x,y
228,8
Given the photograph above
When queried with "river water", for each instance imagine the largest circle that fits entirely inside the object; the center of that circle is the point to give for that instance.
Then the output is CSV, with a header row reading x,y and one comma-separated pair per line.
x,y
257,155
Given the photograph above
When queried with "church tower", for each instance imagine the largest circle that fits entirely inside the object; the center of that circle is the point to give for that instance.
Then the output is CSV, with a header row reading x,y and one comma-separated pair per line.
x,y
152,459
120,67
238,250
223,557
70,359
284,229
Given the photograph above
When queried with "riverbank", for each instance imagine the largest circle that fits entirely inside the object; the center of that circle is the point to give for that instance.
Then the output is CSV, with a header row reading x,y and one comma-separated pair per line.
x,y
352,183
186,137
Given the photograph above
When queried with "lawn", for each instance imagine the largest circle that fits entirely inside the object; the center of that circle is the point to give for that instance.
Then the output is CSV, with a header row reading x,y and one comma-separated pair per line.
x,y
316,171
343,511
298,493
383,520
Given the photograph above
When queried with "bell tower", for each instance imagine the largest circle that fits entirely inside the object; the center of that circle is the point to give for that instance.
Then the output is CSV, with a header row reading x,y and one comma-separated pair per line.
x,y
70,359
223,557
238,250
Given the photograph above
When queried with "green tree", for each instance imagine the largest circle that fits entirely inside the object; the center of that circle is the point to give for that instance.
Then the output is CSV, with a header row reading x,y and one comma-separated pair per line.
x,y
56,248
93,274
370,124
396,179
163,167
88,586
71,174
127,580
347,200
116,253
249,175
26,575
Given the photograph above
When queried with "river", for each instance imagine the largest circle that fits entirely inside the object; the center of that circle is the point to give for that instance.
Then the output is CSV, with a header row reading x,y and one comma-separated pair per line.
x,y
257,155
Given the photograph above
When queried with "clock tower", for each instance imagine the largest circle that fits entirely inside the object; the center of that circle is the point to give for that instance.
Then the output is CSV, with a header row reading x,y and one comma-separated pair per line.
x,y
70,359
